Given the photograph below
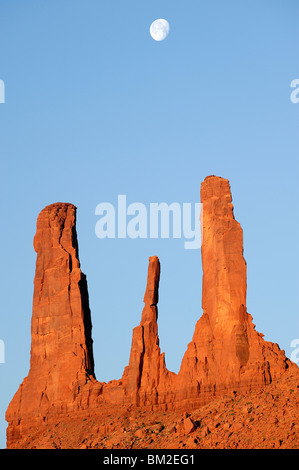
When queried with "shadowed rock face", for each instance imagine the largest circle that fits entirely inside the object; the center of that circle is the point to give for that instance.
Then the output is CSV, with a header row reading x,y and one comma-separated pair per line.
x,y
225,354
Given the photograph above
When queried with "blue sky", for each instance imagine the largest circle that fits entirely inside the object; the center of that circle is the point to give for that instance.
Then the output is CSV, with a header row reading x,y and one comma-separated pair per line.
x,y
94,108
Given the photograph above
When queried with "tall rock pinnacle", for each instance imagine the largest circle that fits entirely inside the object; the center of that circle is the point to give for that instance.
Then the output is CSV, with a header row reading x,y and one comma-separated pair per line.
x,y
61,322
61,359
146,367
226,352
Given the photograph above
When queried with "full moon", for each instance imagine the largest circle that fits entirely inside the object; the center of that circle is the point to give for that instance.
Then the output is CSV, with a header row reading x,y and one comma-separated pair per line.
x,y
159,29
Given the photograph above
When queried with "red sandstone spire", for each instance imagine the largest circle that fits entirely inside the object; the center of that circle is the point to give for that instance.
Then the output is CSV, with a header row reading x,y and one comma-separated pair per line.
x,y
61,323
142,375
226,352
61,346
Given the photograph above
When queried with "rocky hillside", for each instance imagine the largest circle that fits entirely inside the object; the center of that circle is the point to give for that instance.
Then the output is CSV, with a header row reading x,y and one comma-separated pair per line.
x,y
264,419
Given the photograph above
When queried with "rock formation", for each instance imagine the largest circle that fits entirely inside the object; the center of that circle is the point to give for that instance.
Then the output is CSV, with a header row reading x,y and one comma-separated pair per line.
x,y
61,363
146,378
226,354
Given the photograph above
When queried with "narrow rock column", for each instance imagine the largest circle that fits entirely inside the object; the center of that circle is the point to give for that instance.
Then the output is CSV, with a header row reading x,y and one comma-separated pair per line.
x,y
61,361
224,277
141,376
226,352
61,323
